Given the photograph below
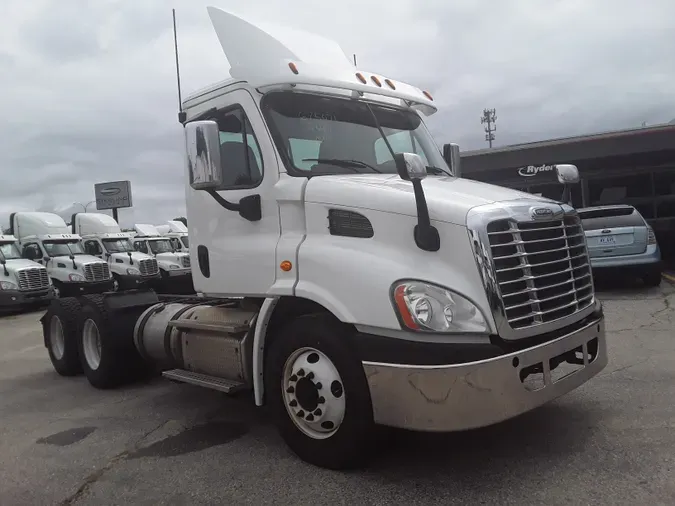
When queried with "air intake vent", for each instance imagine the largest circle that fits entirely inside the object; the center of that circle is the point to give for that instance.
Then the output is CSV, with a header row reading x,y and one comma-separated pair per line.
x,y
349,224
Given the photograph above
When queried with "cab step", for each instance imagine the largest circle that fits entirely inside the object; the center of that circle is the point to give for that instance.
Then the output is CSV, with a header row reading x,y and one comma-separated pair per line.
x,y
204,380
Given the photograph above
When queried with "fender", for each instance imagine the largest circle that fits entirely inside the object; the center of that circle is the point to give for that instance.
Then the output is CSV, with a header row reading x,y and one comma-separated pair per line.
x,y
266,311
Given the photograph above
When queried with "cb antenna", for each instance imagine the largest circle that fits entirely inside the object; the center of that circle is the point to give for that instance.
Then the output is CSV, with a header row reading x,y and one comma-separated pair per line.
x,y
181,114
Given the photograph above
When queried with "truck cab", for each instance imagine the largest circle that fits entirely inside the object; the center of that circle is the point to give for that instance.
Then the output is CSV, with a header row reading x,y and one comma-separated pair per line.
x,y
103,238
46,239
177,233
22,282
173,265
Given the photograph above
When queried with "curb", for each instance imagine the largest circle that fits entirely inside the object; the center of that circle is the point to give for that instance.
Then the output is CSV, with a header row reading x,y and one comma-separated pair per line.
x,y
668,277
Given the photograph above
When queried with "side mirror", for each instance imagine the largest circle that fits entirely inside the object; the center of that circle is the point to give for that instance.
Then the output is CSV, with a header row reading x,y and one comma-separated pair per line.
x,y
567,173
451,156
202,143
410,166
46,259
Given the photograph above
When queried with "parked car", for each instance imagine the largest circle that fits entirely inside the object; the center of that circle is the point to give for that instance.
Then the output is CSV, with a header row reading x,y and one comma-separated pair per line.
x,y
618,237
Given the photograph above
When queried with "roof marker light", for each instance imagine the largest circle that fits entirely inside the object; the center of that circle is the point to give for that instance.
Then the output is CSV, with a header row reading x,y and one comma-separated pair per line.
x,y
428,95
293,68
390,84
376,80
361,78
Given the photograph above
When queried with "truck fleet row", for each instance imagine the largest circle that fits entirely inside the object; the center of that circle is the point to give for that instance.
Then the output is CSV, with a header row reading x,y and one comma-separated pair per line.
x,y
43,258
346,277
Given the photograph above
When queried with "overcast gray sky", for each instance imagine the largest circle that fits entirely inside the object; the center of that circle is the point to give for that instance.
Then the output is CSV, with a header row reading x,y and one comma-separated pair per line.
x,y
88,93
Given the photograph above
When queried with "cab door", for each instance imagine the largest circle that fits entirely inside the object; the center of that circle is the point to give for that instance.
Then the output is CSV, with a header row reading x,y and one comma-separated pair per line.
x,y
232,254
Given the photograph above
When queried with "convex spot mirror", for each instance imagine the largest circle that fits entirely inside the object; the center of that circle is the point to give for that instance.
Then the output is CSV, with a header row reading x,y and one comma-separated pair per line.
x,y
567,173
202,143
410,166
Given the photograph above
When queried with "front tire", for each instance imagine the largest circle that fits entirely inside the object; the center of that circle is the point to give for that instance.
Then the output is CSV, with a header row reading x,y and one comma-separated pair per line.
x,y
318,393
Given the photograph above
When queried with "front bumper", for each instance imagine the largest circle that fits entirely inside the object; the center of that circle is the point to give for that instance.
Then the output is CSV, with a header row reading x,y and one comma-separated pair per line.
x,y
84,288
437,398
174,273
17,299
130,282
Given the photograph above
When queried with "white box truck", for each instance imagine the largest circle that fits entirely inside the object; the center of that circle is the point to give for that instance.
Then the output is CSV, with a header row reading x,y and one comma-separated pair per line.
x,y
46,239
177,233
23,283
345,276
102,237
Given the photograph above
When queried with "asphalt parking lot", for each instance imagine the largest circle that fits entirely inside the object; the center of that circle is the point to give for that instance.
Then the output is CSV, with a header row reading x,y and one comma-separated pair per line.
x,y
610,442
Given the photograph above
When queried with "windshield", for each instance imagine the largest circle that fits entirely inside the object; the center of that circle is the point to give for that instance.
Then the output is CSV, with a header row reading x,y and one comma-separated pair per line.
x,y
160,246
596,219
185,240
320,135
117,245
63,248
9,251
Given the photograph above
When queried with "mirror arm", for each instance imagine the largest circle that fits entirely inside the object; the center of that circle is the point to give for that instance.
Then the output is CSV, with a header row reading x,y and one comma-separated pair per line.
x,y
426,235
249,207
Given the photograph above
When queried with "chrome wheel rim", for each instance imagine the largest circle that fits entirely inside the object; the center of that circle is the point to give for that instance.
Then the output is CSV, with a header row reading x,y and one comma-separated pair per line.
x,y
91,344
313,393
57,341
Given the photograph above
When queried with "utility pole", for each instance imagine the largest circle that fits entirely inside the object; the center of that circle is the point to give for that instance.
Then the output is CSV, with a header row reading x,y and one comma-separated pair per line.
x,y
489,119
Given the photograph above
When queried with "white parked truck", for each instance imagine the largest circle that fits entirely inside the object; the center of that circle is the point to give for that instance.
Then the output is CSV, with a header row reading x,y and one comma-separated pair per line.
x,y
46,239
174,266
177,233
22,282
103,238
345,276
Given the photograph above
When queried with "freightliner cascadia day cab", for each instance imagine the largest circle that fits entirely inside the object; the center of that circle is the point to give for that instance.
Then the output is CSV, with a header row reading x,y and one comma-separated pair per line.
x,y
177,233
22,282
103,238
46,239
174,266
344,275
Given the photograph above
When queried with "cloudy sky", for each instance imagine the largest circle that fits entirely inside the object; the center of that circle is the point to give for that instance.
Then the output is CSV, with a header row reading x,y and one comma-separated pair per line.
x,y
88,93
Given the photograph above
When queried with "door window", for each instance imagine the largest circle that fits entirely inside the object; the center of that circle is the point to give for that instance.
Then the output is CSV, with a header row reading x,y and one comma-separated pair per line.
x,y
240,158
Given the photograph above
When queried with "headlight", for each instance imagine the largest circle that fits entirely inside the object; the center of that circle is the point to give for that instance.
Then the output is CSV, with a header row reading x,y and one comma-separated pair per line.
x,y
422,306
8,285
174,266
76,277
133,272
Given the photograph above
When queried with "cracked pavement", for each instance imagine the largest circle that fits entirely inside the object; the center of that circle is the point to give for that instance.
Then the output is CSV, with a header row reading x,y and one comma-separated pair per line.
x,y
612,441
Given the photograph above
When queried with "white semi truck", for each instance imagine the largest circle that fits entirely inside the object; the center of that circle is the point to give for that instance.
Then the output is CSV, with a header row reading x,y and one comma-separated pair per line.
x,y
345,276
177,233
174,266
23,282
46,239
102,237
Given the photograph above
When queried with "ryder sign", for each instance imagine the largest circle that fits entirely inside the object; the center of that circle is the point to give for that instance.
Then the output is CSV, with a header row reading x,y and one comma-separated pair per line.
x,y
533,170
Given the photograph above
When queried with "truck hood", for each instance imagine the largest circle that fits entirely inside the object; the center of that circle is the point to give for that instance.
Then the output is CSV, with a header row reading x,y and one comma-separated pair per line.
x,y
136,255
80,260
449,199
174,258
20,263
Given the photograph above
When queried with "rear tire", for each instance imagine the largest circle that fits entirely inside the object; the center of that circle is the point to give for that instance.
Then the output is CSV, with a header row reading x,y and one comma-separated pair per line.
x,y
652,279
60,332
328,425
107,353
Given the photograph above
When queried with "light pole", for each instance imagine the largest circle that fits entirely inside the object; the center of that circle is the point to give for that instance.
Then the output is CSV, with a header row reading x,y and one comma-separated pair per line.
x,y
489,118
83,205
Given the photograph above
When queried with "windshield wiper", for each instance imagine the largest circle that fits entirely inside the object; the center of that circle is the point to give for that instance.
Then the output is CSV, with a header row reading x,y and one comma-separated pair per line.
x,y
436,171
347,164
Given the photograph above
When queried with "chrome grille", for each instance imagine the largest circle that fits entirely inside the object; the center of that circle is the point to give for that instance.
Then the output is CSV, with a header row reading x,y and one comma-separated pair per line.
x,y
185,262
148,267
34,278
98,271
541,269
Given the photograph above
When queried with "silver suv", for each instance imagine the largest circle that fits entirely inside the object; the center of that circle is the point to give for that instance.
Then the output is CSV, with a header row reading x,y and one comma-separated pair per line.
x,y
618,237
